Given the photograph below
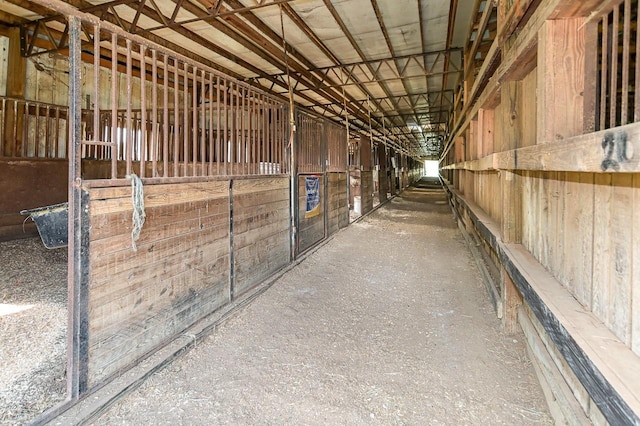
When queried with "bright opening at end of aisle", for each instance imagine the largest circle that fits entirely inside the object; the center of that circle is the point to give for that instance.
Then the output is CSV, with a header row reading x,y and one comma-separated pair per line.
x,y
431,168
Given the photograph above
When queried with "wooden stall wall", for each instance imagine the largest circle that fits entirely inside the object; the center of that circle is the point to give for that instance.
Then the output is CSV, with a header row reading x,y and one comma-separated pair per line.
x,y
366,191
337,202
261,230
179,273
542,168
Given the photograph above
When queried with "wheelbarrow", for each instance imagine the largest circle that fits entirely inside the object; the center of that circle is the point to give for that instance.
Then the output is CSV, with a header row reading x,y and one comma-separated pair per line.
x,y
52,224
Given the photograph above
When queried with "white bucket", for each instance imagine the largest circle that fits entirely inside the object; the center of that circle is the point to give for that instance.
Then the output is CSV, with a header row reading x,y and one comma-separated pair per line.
x,y
357,204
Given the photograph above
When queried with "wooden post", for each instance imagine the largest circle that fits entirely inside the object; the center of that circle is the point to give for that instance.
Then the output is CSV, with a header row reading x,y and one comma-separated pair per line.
x,y
561,82
511,300
511,194
383,181
16,83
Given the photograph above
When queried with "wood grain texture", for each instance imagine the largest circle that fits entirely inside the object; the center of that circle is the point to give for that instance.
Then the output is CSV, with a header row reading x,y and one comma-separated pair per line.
x,y
561,396
602,256
366,191
261,235
578,232
180,272
620,261
337,203
635,279
602,363
561,57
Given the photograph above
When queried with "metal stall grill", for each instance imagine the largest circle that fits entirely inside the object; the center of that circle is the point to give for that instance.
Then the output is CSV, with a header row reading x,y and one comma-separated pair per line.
x,y
321,176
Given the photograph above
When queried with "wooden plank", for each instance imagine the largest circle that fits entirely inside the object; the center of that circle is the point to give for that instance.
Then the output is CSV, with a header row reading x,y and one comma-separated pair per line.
x,y
578,233
563,404
511,185
118,223
511,300
602,259
155,196
242,186
529,109
620,272
561,71
512,120
635,279
603,364
110,355
366,191
598,358
213,224
135,276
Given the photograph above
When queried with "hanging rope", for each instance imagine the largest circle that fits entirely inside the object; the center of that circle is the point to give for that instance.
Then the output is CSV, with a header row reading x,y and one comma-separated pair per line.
x,y
137,199
292,122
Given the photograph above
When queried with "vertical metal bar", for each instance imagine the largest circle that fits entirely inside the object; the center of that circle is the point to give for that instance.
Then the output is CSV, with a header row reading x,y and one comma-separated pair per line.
x,y
234,118
185,120
272,138
225,142
96,81
23,142
194,119
154,112
143,110
36,137
47,133
203,127
66,135
243,131
265,141
176,118
604,86
77,300
626,37
211,138
252,140
128,128
218,125
56,132
116,142
165,119
614,67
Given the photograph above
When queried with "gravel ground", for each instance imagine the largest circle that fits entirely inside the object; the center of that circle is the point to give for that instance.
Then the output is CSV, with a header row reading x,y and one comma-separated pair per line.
x,y
387,324
33,323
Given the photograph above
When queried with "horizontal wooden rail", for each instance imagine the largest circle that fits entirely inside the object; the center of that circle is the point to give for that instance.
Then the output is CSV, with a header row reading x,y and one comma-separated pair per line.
x,y
612,150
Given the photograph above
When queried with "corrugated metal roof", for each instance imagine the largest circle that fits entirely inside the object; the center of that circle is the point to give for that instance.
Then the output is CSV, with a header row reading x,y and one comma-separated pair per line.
x,y
397,61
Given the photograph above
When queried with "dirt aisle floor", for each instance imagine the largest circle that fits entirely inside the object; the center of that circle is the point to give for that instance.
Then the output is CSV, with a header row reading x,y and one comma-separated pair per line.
x,y
387,324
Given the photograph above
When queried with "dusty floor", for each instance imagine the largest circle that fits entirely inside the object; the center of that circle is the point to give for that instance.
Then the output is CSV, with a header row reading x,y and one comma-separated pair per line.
x,y
33,323
386,324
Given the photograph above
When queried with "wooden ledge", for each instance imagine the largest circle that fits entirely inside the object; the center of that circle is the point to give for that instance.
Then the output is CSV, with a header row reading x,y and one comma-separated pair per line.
x,y
605,366
614,150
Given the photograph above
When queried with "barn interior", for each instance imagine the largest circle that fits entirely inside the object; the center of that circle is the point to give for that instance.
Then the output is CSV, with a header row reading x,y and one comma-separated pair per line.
x,y
180,153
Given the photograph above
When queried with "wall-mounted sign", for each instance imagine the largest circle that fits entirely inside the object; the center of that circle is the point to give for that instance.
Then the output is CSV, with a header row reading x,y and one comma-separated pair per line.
x,y
312,186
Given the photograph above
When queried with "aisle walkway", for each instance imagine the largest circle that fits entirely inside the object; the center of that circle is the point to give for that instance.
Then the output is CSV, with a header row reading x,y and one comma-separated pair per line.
x,y
386,324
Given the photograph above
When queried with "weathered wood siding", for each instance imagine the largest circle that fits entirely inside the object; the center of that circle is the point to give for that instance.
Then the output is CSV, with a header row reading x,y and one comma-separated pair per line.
x,y
337,206
366,191
179,273
543,166
261,236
